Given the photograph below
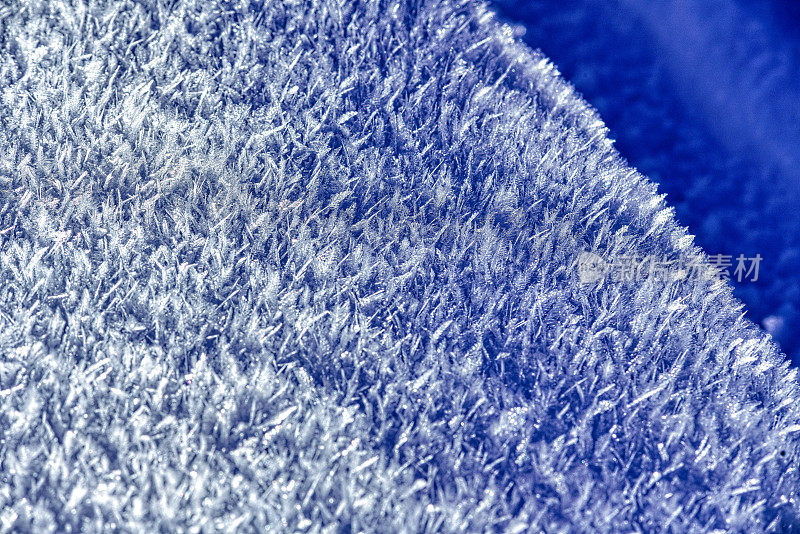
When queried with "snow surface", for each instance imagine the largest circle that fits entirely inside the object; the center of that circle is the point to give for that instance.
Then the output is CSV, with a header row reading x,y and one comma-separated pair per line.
x,y
311,266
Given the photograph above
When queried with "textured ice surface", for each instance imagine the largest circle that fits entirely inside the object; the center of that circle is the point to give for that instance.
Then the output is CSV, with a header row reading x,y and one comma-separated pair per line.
x,y
703,96
311,266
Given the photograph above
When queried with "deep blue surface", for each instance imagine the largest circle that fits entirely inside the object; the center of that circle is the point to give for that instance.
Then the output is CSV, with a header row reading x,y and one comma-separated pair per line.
x,y
702,97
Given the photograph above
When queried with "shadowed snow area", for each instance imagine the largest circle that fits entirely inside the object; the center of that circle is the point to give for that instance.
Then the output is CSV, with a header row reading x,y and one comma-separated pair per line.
x,y
315,266
704,98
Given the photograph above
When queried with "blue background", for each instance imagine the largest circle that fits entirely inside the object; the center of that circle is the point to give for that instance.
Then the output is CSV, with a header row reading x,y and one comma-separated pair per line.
x,y
703,97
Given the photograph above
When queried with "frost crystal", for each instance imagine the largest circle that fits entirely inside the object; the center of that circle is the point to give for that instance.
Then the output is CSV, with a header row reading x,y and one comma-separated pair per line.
x,y
311,266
